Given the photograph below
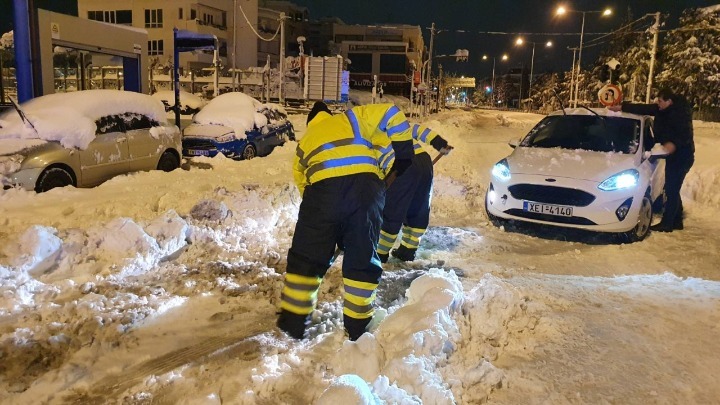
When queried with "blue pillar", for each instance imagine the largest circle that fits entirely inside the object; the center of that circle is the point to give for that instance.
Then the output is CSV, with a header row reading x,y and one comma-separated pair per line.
x,y
23,58
131,74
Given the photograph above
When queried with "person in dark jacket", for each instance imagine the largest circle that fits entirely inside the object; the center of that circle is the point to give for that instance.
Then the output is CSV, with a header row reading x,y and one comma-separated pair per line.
x,y
673,129
407,200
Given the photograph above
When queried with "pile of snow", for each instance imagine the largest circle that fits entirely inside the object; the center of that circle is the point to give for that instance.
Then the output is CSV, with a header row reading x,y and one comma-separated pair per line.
x,y
189,103
69,118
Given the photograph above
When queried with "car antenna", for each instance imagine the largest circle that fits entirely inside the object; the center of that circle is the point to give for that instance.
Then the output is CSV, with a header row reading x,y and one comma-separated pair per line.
x,y
560,101
22,114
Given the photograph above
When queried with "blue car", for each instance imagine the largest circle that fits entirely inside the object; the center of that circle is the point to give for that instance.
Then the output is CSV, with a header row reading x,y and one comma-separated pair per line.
x,y
237,126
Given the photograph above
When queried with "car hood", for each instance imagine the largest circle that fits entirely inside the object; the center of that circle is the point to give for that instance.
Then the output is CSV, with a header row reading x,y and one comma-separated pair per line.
x,y
569,163
207,131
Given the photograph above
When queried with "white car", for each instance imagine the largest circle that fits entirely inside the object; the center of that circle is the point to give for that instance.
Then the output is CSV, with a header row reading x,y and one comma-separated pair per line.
x,y
581,168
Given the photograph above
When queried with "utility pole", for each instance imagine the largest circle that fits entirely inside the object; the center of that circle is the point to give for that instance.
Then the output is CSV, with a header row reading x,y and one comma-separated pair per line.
x,y
572,77
656,30
234,74
282,58
429,70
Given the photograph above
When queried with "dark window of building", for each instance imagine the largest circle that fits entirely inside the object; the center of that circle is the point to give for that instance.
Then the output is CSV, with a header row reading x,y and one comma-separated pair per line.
x,y
153,18
109,17
180,13
392,63
95,15
155,47
341,37
193,14
124,17
224,19
360,62
223,49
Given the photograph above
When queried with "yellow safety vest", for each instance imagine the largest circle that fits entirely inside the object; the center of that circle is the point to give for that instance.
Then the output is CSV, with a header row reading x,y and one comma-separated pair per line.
x,y
342,144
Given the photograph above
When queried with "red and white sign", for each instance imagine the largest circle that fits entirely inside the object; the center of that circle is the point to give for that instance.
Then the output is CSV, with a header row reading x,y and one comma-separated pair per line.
x,y
609,95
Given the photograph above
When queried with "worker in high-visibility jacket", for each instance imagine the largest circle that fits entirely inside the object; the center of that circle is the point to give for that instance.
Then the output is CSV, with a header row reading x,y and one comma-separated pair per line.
x,y
339,178
407,199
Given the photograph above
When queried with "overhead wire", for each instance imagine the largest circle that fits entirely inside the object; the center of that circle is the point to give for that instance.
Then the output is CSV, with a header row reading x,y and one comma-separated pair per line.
x,y
253,28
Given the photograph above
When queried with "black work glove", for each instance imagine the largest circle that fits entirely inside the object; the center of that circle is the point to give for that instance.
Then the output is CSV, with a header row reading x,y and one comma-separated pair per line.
x,y
400,165
438,143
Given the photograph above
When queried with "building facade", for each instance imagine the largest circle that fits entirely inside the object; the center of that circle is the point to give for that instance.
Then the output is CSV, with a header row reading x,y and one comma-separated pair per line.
x,y
159,17
383,51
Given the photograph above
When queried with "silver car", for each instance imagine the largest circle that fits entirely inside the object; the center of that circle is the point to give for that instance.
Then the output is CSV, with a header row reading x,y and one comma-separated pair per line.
x,y
85,138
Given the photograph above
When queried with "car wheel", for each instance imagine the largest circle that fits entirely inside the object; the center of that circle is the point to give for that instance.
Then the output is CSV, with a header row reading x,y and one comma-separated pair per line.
x,y
641,230
248,152
168,162
53,177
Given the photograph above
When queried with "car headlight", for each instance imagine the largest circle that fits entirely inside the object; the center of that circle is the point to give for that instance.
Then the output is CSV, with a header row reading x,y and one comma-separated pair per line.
x,y
226,138
501,170
10,164
625,179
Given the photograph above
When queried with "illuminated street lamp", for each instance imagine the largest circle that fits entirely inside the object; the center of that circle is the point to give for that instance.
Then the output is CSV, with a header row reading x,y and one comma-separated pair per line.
x,y
561,11
492,92
521,41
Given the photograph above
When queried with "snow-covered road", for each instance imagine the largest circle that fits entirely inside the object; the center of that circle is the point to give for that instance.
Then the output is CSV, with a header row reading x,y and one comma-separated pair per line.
x,y
141,290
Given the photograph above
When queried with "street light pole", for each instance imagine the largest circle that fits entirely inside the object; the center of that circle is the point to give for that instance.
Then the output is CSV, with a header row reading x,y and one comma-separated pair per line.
x,y
234,73
562,10
577,85
492,92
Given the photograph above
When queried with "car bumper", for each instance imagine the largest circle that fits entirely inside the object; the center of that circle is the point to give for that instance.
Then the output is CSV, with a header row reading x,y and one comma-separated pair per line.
x,y
26,179
599,215
193,147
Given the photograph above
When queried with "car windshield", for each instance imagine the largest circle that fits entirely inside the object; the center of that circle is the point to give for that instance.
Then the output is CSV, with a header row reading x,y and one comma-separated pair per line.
x,y
588,132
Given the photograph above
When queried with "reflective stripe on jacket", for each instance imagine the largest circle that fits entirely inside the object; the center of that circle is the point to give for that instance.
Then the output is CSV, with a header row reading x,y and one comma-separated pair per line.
x,y
342,144
386,155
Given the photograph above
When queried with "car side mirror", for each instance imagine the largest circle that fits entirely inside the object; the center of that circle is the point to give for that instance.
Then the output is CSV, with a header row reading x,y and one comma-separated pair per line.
x,y
513,143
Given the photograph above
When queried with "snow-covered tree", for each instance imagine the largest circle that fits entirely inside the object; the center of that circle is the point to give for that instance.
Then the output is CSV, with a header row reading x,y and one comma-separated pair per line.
x,y
7,40
692,57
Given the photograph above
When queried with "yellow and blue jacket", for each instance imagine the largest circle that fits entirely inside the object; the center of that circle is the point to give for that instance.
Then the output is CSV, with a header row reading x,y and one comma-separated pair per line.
x,y
343,144
420,133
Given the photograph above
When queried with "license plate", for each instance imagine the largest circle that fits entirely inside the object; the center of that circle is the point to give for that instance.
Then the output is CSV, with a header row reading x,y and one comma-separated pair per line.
x,y
198,152
559,210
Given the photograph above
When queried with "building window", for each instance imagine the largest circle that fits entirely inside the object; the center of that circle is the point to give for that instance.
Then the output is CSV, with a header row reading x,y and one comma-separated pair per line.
x,y
124,17
180,13
153,18
155,47
112,16
390,63
361,62
193,14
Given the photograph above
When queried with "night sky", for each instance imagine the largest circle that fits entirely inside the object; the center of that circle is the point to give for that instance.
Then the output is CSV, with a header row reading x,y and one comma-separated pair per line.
x,y
536,17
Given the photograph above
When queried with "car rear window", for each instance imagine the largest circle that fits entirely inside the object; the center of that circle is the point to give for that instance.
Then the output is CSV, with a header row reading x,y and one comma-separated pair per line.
x,y
588,132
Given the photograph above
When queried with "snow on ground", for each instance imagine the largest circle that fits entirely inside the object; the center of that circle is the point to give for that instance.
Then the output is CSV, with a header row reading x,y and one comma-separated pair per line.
x,y
145,289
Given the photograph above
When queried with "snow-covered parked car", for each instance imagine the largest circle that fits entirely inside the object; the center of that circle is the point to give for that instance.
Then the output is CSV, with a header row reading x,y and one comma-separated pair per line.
x,y
237,126
189,103
84,138
581,168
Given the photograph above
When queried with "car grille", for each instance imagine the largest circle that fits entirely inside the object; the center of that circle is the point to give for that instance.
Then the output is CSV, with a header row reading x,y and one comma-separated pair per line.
x,y
197,144
549,218
551,195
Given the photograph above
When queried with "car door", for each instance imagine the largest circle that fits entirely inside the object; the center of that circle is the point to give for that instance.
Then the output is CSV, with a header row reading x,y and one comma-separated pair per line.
x,y
107,155
144,147
657,179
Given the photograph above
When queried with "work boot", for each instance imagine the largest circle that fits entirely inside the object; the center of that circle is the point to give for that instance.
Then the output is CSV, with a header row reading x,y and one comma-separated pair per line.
x,y
383,257
678,225
661,227
404,254
355,327
293,324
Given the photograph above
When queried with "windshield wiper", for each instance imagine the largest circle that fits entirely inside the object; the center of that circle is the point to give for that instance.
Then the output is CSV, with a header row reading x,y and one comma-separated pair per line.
x,y
22,115
559,101
594,112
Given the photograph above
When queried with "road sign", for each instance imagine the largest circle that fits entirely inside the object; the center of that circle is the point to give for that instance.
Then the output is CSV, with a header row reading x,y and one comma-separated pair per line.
x,y
610,94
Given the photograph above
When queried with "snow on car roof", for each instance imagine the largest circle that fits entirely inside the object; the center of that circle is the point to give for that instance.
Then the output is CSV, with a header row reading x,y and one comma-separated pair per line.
x,y
235,110
69,118
600,111
186,98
